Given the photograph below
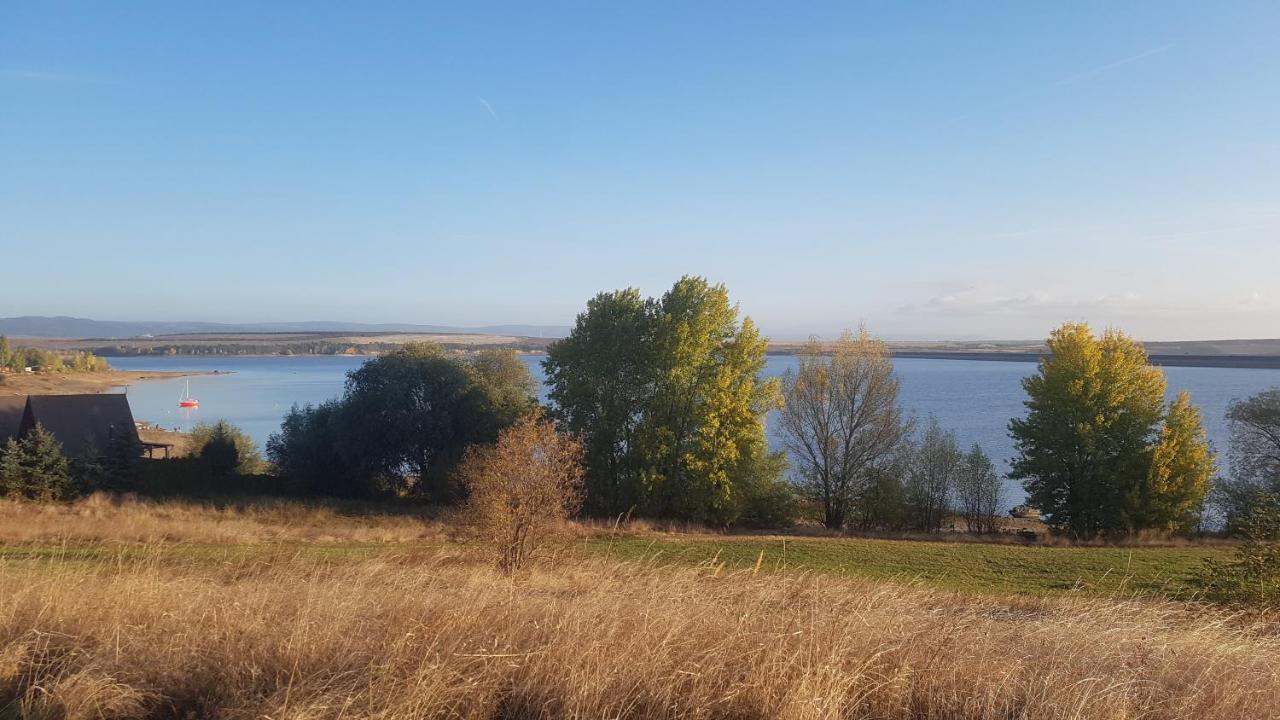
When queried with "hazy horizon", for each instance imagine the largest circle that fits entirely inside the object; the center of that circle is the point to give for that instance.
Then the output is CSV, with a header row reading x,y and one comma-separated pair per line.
x,y
362,325
936,171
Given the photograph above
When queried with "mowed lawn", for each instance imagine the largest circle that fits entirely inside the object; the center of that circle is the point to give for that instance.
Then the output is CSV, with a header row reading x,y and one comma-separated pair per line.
x,y
971,567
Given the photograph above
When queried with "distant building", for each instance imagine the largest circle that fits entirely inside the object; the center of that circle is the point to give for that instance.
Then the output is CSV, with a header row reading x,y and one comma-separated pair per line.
x,y
11,409
85,425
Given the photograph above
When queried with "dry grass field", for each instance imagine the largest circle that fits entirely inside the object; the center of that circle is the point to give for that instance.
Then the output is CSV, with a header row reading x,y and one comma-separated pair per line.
x,y
277,610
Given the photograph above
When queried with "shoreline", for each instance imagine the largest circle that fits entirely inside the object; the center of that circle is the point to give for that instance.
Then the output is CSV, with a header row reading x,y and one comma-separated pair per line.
x,y
76,383
1245,362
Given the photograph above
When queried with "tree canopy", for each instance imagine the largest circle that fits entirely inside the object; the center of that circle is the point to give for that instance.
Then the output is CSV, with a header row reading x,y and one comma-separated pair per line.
x,y
403,422
667,397
1098,451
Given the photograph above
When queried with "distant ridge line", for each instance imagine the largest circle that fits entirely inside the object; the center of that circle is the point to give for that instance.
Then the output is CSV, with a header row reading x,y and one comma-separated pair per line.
x,y
83,328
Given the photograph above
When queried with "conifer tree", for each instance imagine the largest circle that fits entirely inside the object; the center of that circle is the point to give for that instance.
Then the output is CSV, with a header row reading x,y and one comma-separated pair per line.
x,y
34,468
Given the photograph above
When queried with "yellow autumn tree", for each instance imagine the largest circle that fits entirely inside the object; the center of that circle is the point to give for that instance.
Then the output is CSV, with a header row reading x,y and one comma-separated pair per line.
x,y
1181,467
1099,452
668,399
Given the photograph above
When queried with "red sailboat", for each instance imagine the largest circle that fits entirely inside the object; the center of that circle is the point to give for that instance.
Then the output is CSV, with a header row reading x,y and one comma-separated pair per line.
x,y
186,401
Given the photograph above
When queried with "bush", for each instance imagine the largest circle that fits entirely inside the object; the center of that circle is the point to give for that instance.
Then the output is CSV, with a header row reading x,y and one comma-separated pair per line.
x,y
765,499
1252,576
522,488
308,453
882,504
193,477
226,448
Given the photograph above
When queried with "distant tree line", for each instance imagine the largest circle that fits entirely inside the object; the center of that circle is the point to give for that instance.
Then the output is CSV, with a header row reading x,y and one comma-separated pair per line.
x,y
17,359
306,347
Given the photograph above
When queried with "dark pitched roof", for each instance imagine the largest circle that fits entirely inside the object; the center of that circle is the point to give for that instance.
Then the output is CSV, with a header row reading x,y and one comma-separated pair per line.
x,y
11,409
84,424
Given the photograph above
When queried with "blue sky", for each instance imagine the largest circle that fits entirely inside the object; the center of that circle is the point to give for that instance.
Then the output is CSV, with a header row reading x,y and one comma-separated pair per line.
x,y
935,170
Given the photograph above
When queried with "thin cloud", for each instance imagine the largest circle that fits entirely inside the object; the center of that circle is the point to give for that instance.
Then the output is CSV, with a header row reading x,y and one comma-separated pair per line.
x,y
1064,82
975,302
487,107
1104,69
11,73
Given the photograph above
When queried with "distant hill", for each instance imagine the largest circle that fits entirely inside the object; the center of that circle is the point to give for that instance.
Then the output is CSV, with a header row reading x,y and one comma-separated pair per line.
x,y
72,327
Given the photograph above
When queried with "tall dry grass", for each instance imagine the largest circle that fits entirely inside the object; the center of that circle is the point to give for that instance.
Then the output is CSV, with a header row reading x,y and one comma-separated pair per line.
x,y
444,637
103,517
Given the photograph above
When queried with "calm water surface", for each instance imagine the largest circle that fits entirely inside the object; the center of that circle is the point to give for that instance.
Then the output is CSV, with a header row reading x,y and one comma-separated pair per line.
x,y
974,398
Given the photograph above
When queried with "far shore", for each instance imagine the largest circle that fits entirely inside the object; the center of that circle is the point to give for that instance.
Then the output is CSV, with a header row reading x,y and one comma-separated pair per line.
x,y
1258,353
74,383
1252,362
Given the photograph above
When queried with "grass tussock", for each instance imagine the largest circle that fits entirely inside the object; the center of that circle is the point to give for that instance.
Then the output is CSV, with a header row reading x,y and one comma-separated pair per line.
x,y
440,636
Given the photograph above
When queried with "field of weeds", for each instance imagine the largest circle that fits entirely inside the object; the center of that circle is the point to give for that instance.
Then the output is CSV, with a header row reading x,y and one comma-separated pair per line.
x,y
442,634
131,609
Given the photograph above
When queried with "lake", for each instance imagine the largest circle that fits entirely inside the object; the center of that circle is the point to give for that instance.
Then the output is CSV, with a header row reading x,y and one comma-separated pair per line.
x,y
973,398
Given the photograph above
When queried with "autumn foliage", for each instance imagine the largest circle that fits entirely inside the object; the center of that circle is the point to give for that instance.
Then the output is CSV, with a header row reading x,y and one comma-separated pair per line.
x,y
523,488
1100,453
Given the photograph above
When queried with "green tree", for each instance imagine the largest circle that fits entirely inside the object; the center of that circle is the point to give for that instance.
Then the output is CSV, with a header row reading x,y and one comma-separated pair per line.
x,y
763,497
409,415
506,384
35,468
882,503
667,395
4,352
1094,421
311,451
705,428
599,380
226,447
934,467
